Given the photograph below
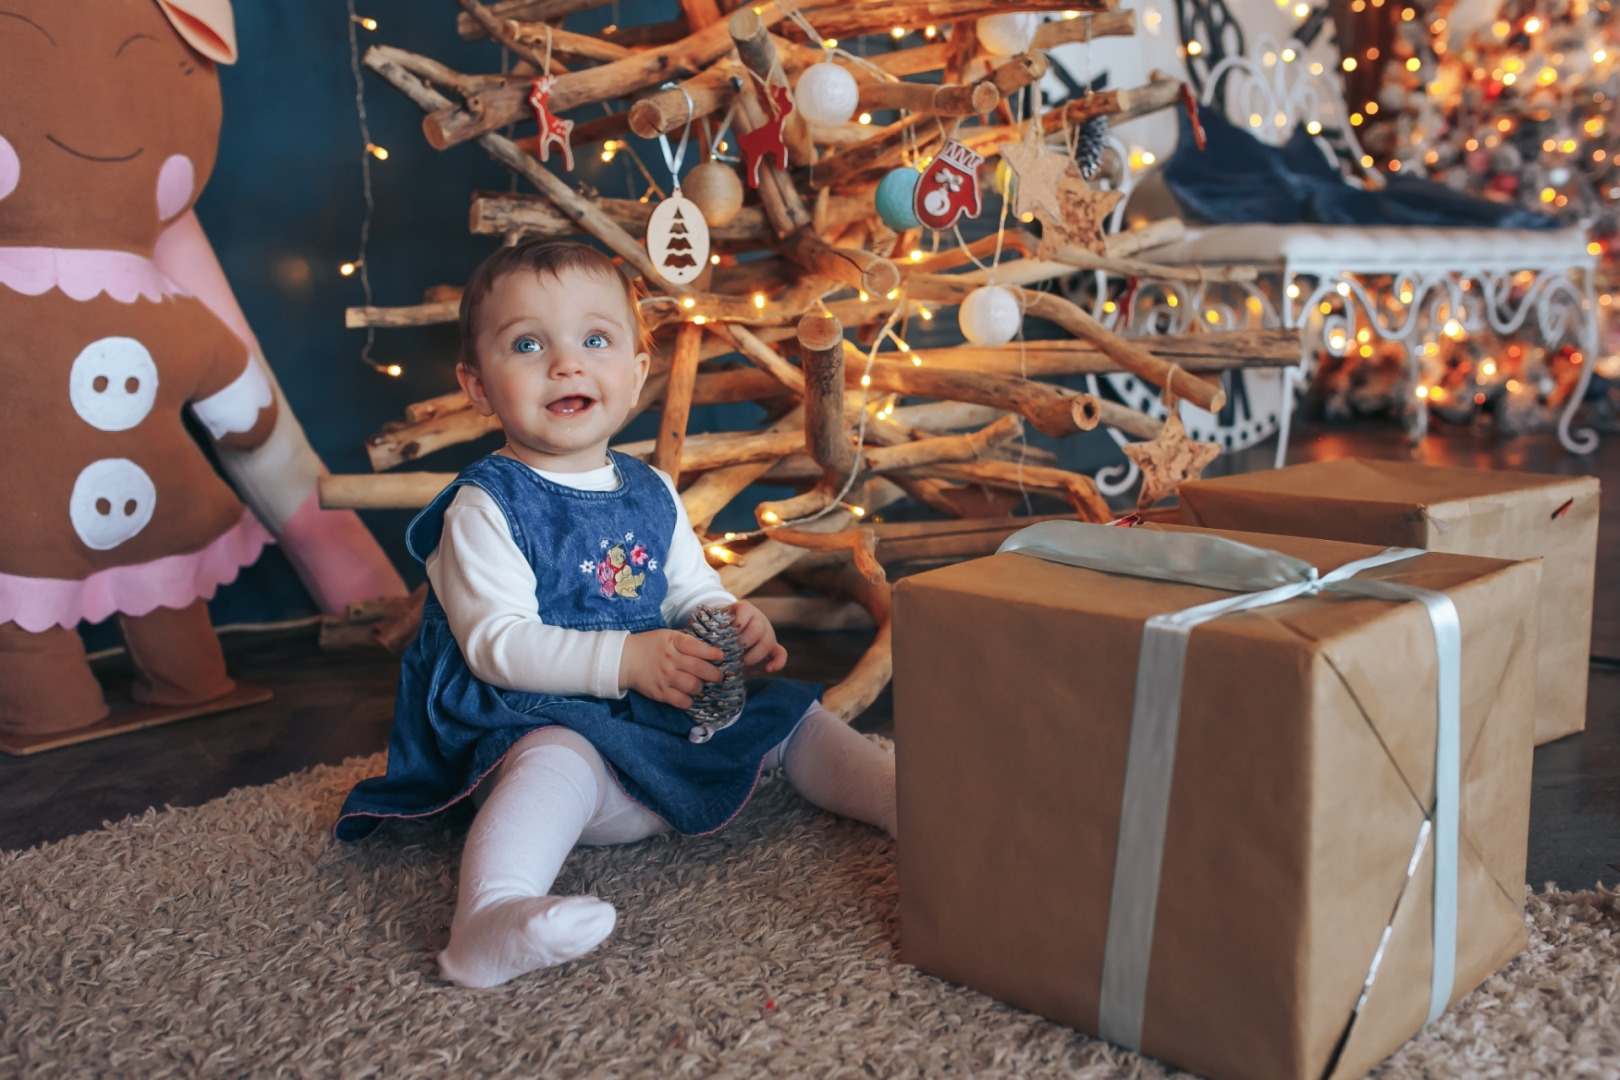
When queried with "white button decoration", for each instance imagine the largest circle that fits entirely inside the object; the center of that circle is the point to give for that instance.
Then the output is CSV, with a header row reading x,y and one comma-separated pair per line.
x,y
112,500
113,383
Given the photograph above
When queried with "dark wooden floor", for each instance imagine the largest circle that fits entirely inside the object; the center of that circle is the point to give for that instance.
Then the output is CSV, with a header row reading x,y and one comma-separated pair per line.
x,y
329,707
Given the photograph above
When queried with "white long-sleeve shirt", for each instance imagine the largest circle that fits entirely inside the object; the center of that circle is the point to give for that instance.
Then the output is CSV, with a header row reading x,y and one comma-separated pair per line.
x,y
487,589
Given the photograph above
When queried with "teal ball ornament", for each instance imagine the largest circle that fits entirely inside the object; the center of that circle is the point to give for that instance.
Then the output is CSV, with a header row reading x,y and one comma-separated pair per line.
x,y
896,193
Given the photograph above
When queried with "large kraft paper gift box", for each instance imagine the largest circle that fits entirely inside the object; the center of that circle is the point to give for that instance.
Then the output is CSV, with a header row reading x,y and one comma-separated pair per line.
x,y
1499,515
1300,780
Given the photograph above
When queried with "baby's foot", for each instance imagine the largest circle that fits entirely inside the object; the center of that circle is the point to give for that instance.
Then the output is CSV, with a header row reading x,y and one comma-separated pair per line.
x,y
507,939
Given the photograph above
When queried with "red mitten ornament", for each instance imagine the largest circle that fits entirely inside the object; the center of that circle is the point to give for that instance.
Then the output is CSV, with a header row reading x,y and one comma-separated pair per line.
x,y
950,187
766,140
552,129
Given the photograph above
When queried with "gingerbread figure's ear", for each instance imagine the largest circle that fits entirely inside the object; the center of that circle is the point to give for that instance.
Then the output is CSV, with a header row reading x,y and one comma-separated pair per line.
x,y
209,26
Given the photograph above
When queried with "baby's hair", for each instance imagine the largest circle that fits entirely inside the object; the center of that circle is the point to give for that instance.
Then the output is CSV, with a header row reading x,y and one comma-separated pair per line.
x,y
551,257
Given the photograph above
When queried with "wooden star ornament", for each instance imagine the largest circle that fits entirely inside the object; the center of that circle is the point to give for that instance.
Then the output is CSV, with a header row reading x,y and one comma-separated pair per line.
x,y
1083,218
1038,171
1169,460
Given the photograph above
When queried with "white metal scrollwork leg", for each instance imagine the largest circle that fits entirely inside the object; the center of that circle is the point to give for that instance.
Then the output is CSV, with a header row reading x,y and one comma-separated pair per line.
x,y
1586,440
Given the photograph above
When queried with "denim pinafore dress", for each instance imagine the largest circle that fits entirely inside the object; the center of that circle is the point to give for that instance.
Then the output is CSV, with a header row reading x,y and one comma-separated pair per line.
x,y
598,559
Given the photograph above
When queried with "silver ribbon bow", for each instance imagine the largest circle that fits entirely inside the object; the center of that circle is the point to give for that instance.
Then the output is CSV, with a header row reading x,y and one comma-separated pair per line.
x,y
1260,577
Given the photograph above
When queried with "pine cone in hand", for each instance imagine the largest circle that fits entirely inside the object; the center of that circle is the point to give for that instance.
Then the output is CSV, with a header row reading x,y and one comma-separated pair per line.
x,y
718,704
1093,145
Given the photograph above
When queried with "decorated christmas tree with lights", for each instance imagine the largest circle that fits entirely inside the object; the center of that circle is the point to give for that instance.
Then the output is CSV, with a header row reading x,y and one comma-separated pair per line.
x,y
1512,102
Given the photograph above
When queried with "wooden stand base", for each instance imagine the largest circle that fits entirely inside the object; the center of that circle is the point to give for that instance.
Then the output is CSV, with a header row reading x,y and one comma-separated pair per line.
x,y
126,715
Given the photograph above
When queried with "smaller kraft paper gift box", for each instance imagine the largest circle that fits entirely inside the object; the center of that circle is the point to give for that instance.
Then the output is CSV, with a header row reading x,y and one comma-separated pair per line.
x,y
1260,814
1498,515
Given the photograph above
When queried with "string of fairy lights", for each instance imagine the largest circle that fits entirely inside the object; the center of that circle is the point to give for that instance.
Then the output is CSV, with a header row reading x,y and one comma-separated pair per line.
x,y
357,266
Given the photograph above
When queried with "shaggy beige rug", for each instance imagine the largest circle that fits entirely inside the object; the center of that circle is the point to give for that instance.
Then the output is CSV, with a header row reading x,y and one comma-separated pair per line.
x,y
237,939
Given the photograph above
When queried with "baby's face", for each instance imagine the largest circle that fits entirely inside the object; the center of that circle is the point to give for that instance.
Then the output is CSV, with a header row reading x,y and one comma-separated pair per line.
x,y
558,364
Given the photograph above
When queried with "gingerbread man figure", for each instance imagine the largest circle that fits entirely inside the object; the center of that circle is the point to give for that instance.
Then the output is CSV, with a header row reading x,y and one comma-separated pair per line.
x,y
117,323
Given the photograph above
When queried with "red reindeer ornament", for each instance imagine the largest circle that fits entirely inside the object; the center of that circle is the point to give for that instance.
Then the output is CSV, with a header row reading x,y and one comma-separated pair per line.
x,y
766,140
552,128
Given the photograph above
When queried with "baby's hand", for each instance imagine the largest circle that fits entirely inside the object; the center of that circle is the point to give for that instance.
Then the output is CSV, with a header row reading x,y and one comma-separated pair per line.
x,y
758,637
667,666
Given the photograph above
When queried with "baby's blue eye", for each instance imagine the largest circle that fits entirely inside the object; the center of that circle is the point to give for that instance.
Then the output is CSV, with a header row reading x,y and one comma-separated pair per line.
x,y
596,341
525,344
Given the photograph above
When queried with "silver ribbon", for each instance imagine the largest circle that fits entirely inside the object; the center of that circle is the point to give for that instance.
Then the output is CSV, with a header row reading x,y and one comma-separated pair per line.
x,y
1260,577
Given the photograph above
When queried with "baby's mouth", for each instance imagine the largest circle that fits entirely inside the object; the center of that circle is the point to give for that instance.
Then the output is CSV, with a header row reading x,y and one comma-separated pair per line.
x,y
570,406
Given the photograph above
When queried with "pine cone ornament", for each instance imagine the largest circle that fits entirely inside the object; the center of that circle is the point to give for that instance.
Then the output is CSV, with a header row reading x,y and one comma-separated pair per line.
x,y
718,704
1093,145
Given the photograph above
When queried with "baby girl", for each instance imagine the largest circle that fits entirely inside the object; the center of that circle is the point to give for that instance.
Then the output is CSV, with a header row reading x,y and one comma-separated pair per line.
x,y
546,682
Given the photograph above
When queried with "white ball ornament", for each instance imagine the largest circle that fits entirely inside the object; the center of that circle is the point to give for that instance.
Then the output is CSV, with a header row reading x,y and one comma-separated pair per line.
x,y
1008,35
827,94
989,316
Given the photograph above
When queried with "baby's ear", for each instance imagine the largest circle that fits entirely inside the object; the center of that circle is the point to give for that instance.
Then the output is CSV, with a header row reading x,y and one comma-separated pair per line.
x,y
472,384
643,363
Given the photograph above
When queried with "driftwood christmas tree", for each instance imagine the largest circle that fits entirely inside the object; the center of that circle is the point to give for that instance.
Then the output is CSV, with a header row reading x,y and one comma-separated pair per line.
x,y
806,259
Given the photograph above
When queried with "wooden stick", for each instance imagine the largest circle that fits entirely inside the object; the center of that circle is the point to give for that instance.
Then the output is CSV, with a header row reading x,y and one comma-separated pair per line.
x,y
1079,490
1018,72
855,694
678,399
703,452
387,491
972,100
711,492
821,345
770,557
849,20
433,408
1122,105
762,356
860,543
1054,410
709,92
884,150
406,444
1154,234
534,34
1126,419
945,448
1225,351
1127,354
429,314
872,274
1103,24
538,10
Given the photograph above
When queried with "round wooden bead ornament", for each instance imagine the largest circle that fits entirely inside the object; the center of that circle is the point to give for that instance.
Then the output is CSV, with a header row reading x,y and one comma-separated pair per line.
x,y
826,94
896,194
989,316
716,189
1008,35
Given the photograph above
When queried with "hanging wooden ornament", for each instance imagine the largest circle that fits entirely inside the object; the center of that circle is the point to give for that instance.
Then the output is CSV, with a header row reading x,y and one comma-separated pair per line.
x,y
989,316
677,233
1170,459
766,140
1082,219
896,198
552,128
717,191
826,94
1037,171
949,188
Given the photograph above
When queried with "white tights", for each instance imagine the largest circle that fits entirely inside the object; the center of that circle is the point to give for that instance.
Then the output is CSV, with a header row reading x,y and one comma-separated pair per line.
x,y
553,791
